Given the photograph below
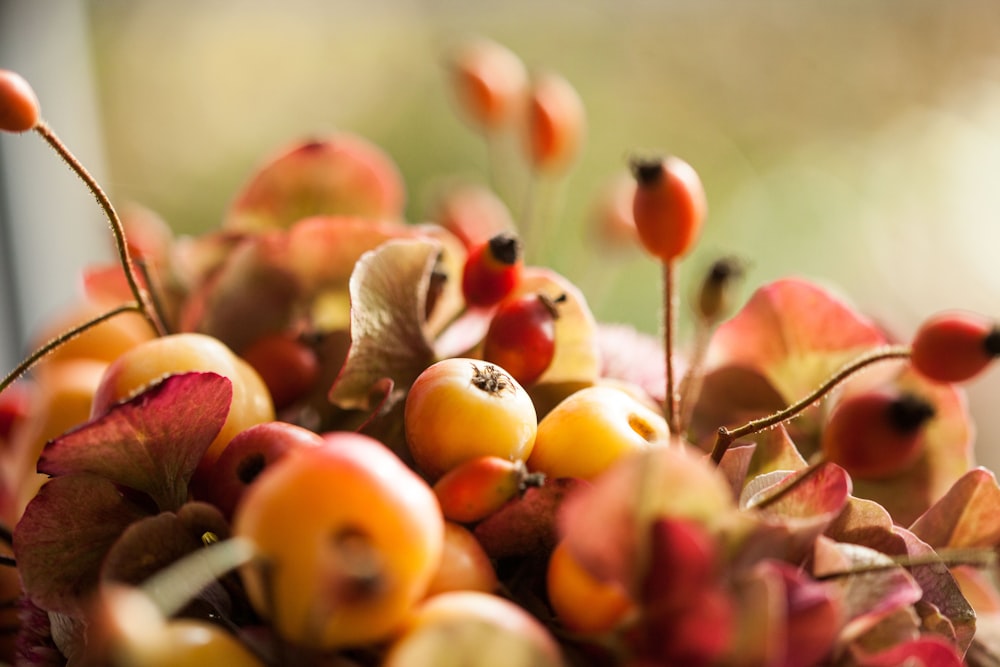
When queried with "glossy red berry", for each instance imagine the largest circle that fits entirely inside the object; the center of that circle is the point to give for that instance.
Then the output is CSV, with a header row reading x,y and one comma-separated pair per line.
x,y
669,206
954,346
521,338
19,109
492,270
876,434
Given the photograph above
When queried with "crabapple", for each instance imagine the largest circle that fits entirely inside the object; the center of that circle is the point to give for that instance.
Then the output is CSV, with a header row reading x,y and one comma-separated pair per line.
x,y
876,434
151,360
522,336
492,270
288,366
468,627
591,429
954,346
459,409
464,564
246,456
19,108
347,539
669,206
583,603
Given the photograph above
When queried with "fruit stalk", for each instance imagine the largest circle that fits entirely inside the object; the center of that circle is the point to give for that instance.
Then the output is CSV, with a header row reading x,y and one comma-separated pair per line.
x,y
726,436
670,403
142,296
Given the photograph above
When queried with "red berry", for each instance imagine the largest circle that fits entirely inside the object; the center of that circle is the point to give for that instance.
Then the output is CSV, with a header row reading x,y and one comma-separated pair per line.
x,y
669,206
876,434
288,367
492,270
521,338
954,346
19,110
489,81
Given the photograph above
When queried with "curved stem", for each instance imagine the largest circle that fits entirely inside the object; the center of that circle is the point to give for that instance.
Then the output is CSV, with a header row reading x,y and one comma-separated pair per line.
x,y
64,337
726,437
140,293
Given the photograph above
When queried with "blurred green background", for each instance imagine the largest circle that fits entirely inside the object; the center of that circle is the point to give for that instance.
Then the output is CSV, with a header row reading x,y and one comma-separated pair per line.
x,y
856,142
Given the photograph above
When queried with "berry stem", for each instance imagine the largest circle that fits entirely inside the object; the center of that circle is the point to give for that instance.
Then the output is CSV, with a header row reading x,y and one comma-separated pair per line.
x,y
62,338
980,558
669,325
142,296
726,436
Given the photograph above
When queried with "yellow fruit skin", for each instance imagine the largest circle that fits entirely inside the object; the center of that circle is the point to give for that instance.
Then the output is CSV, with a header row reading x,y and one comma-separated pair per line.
x,y
348,539
152,360
583,603
591,429
449,420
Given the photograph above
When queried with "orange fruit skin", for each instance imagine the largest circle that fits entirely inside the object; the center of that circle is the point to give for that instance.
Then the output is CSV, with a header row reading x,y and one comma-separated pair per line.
x,y
669,209
348,539
19,108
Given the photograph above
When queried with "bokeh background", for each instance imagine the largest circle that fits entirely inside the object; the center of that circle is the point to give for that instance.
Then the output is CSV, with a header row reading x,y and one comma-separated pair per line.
x,y
854,142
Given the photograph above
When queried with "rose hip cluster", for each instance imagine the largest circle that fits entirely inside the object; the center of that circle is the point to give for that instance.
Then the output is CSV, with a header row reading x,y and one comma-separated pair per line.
x,y
420,450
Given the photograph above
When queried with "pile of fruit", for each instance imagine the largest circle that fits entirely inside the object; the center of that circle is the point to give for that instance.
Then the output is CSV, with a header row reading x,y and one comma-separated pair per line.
x,y
320,435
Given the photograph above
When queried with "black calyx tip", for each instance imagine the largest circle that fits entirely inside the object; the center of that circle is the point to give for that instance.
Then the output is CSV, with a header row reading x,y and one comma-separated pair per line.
x,y
909,412
506,248
647,171
724,269
992,342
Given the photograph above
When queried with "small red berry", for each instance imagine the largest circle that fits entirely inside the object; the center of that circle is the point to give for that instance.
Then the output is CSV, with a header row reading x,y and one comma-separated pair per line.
x,y
19,109
876,434
954,346
669,206
492,270
289,367
521,338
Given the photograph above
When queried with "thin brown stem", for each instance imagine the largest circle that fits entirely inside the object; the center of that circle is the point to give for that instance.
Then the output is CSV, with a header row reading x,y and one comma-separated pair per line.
x,y
62,338
669,326
803,476
694,376
726,436
140,293
981,558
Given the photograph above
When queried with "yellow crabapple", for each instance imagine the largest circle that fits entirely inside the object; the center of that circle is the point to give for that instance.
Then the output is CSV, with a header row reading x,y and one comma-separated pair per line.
x,y
591,429
464,564
459,409
582,602
152,360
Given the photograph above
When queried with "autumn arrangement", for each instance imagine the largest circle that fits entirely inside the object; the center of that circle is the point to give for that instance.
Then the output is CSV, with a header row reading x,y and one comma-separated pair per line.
x,y
323,435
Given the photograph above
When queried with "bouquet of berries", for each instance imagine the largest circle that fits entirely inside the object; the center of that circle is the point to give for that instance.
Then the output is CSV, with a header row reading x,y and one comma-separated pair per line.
x,y
322,435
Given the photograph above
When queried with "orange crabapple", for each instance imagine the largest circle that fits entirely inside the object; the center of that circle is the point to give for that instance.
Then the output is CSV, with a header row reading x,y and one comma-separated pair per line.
x,y
591,429
464,564
459,409
876,434
469,627
347,540
154,359
582,602
521,337
492,270
19,108
954,346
